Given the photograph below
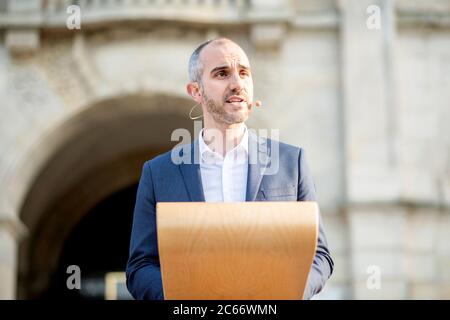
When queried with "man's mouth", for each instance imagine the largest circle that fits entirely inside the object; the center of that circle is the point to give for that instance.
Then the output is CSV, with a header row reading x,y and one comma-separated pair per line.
x,y
236,100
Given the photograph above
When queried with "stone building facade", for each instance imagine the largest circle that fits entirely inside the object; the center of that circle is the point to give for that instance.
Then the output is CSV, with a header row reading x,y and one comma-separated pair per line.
x,y
362,85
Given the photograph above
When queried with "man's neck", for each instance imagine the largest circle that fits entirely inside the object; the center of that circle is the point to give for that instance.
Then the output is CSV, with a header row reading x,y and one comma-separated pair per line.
x,y
223,138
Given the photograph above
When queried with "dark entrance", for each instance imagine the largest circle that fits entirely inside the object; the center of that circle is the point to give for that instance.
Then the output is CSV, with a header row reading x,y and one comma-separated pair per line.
x,y
98,245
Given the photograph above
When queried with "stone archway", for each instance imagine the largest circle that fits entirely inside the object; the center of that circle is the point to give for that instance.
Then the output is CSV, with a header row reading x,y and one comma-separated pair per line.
x,y
103,150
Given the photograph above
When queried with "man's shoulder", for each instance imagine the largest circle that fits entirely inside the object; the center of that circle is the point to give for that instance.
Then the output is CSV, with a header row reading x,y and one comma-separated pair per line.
x,y
168,159
284,148
289,147
160,161
270,144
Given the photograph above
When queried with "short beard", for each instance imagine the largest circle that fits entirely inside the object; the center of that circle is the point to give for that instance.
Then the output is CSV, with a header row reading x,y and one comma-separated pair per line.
x,y
220,115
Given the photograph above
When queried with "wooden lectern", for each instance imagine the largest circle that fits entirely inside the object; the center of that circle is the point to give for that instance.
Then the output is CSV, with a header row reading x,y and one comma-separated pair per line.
x,y
240,250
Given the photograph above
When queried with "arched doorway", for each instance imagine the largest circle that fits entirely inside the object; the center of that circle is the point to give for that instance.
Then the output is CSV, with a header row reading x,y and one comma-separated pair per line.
x,y
98,245
96,167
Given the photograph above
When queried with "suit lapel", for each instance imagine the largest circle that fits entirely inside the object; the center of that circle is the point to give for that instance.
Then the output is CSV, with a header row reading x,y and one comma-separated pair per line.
x,y
257,152
192,176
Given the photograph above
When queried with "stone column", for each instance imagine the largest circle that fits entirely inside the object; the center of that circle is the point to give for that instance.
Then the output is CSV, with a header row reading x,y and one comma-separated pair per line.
x,y
11,231
377,222
11,228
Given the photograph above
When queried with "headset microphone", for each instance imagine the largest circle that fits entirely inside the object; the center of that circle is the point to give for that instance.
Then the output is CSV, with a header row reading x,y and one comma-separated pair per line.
x,y
257,103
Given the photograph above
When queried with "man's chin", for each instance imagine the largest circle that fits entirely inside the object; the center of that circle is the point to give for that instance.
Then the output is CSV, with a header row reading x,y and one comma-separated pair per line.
x,y
237,119
230,119
230,116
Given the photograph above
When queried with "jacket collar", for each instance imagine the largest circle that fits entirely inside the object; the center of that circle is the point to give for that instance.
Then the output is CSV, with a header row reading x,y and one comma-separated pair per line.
x,y
257,153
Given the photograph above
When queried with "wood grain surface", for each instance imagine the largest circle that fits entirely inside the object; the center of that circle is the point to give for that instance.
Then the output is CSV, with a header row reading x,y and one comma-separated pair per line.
x,y
243,250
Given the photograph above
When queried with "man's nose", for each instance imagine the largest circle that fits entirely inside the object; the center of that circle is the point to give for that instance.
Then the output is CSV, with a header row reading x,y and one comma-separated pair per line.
x,y
236,82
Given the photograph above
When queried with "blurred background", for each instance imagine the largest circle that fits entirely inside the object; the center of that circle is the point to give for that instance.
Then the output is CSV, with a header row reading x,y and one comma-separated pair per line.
x,y
88,93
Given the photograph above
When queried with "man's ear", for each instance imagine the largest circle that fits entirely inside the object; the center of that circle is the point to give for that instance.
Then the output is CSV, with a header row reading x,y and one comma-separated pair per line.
x,y
193,90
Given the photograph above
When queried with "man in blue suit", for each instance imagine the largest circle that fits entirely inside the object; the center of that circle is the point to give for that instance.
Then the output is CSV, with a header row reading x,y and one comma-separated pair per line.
x,y
227,162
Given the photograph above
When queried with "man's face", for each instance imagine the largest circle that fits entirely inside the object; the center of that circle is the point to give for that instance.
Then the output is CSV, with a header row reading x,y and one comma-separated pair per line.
x,y
227,84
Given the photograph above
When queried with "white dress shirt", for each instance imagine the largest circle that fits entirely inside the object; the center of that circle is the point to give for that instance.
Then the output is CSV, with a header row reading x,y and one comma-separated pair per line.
x,y
224,179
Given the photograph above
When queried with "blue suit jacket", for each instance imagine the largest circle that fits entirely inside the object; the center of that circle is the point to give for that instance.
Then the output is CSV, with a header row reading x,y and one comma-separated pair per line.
x,y
162,180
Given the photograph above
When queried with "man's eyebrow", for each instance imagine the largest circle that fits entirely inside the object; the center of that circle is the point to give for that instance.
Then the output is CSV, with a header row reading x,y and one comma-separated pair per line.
x,y
226,66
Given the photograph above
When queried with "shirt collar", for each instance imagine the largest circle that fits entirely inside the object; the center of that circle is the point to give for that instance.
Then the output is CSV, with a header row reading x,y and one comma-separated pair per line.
x,y
204,149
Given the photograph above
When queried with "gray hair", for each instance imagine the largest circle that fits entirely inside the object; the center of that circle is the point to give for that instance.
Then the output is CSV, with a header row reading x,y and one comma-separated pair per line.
x,y
195,67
